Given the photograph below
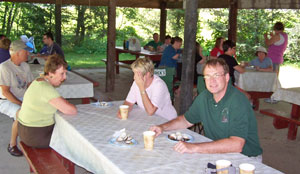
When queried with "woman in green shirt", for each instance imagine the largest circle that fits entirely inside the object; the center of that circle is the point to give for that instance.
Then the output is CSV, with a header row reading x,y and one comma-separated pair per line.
x,y
41,101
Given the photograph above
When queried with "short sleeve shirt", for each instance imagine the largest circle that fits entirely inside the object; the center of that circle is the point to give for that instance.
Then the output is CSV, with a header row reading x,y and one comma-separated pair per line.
x,y
167,57
216,52
16,77
266,63
154,44
55,49
36,111
159,96
231,116
231,62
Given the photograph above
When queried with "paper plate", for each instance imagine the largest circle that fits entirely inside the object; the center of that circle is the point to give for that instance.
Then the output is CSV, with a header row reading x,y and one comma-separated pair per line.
x,y
114,141
191,138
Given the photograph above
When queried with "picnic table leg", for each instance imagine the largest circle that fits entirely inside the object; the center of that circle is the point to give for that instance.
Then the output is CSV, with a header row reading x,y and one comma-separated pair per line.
x,y
292,133
69,165
85,101
255,103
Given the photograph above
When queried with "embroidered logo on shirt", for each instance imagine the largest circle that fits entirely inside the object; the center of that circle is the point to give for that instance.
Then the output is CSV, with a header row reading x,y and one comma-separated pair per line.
x,y
224,115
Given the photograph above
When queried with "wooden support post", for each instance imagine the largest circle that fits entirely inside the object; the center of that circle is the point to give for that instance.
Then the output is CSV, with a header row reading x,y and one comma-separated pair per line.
x,y
163,20
233,12
188,62
58,22
111,47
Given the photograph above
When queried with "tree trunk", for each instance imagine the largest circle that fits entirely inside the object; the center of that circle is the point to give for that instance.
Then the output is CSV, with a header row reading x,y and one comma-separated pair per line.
x,y
111,44
80,29
4,17
188,62
9,20
14,16
58,23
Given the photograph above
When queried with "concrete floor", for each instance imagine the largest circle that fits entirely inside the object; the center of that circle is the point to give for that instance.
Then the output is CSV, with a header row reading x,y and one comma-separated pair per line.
x,y
279,152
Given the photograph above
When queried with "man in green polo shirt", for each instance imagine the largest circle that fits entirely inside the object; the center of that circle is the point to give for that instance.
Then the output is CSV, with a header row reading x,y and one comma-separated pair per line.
x,y
225,113
155,44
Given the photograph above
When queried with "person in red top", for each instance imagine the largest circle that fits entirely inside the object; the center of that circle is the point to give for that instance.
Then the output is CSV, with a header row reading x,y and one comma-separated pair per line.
x,y
218,49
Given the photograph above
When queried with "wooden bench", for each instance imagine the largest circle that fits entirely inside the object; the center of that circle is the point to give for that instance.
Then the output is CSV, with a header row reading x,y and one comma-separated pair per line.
x,y
120,64
283,120
46,161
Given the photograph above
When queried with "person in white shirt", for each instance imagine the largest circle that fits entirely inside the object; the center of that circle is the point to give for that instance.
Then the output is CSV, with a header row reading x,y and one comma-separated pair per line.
x,y
15,77
134,44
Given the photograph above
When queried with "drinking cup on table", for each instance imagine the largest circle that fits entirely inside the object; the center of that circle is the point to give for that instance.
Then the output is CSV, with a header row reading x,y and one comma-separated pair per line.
x,y
243,63
149,139
220,164
124,111
246,168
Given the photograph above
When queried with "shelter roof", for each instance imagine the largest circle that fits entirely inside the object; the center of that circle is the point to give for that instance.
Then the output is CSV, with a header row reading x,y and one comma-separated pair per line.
x,y
242,4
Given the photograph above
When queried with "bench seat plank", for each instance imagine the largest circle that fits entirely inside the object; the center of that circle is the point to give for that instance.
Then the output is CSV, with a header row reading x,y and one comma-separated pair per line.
x,y
43,161
283,120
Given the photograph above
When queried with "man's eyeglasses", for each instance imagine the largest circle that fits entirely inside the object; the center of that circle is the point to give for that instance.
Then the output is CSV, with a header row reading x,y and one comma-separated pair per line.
x,y
214,76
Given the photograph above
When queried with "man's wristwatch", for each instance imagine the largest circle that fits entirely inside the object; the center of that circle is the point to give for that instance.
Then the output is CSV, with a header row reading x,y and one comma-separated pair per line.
x,y
143,92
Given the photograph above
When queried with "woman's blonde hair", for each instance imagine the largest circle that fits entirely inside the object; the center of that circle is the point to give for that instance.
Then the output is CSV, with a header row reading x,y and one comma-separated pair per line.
x,y
5,43
144,65
53,63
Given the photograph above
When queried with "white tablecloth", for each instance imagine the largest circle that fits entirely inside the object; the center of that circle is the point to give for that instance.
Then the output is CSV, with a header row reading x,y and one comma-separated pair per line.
x,y
74,86
84,140
253,80
291,95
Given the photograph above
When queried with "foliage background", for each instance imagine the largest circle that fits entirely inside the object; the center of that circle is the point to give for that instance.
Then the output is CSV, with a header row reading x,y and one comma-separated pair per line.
x,y
84,28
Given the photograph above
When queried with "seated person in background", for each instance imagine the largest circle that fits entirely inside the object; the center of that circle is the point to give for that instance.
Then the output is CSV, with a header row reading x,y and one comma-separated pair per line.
x,y
149,91
261,62
4,49
171,53
153,45
15,77
166,44
218,49
41,101
52,47
229,50
200,60
225,113
134,44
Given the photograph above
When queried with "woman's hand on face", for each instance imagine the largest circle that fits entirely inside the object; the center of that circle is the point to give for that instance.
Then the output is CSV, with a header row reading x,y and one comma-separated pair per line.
x,y
139,80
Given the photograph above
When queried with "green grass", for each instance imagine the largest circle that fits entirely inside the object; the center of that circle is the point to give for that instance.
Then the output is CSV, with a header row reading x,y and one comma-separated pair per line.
x,y
76,60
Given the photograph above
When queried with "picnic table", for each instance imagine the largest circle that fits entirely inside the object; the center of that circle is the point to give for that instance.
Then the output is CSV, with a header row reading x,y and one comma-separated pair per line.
x,y
74,86
283,120
257,84
84,139
154,56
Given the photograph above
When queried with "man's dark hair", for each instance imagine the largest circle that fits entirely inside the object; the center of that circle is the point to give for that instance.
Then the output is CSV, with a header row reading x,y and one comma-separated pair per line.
x,y
176,39
168,37
278,26
228,44
49,35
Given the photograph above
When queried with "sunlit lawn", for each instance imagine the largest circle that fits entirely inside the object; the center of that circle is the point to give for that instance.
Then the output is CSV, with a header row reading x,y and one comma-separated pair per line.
x,y
76,60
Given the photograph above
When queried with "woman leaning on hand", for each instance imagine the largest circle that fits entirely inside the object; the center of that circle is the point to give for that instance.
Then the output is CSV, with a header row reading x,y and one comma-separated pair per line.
x,y
41,101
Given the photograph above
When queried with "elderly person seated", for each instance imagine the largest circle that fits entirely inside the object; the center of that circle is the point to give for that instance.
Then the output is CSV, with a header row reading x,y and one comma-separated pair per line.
x,y
261,62
149,91
134,44
41,101
4,49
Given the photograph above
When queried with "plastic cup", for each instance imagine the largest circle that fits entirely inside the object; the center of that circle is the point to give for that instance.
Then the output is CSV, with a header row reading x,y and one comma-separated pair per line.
x,y
124,111
149,139
246,168
220,164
